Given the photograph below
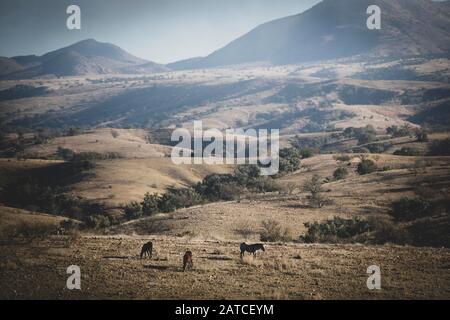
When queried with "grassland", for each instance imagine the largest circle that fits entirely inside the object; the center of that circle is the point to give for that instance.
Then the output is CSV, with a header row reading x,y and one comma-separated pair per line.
x,y
115,115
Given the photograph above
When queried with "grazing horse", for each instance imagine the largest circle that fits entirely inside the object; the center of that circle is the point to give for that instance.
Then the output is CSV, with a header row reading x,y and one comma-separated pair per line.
x,y
187,261
147,249
252,248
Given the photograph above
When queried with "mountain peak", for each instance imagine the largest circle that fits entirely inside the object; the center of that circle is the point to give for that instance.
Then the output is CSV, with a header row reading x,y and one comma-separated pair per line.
x,y
86,57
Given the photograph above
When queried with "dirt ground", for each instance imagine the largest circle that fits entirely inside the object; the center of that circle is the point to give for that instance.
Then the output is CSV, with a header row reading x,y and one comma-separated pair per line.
x,y
111,269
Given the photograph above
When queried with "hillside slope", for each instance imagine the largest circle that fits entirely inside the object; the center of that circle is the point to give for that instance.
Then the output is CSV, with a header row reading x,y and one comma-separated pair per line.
x,y
334,29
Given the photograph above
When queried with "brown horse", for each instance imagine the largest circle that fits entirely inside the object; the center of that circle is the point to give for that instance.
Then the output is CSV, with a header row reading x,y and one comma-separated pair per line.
x,y
147,249
187,261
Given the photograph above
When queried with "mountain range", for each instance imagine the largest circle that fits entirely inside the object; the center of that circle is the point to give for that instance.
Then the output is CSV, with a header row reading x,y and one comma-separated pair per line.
x,y
329,30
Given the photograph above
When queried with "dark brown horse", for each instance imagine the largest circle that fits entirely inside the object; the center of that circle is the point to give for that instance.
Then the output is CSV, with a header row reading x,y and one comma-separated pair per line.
x,y
147,249
252,248
187,261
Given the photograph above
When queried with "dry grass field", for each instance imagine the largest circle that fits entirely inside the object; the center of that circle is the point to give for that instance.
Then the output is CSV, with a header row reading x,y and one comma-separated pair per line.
x,y
111,269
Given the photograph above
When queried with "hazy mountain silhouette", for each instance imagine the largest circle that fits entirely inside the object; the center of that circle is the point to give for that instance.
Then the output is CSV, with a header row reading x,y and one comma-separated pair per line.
x,y
8,66
87,57
337,28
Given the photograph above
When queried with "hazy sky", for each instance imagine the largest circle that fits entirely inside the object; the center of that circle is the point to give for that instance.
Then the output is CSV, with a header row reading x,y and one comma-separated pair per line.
x,y
158,30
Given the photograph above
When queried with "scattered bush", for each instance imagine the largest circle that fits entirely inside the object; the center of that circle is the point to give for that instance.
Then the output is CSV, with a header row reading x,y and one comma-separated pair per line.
x,y
421,136
150,204
342,158
98,221
264,184
366,166
336,229
363,135
179,198
396,131
308,152
246,173
70,155
272,231
407,209
133,210
218,187
379,147
407,151
314,186
115,134
340,173
289,160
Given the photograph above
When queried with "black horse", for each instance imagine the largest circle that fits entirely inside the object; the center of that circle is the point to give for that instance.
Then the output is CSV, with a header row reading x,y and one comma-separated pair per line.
x,y
252,248
147,249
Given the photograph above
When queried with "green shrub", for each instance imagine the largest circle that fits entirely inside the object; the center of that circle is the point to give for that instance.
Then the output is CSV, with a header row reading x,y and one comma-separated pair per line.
x,y
64,153
337,229
407,209
379,147
150,204
217,187
264,184
340,173
363,135
133,210
246,173
98,221
174,199
396,131
366,166
289,160
308,152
